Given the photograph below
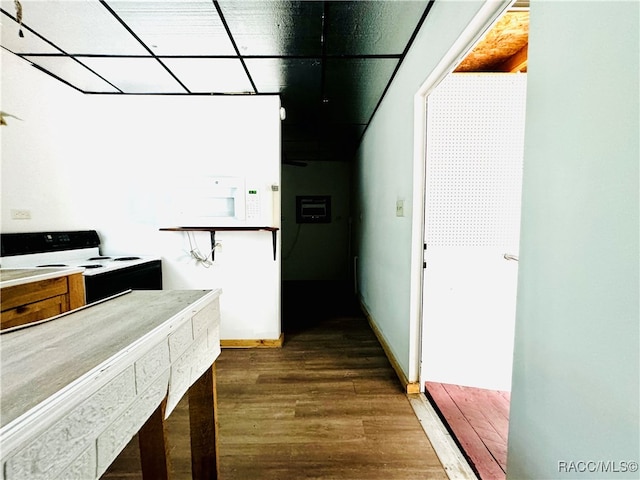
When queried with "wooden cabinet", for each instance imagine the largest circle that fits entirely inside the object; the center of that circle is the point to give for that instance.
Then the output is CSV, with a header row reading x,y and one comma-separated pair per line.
x,y
29,295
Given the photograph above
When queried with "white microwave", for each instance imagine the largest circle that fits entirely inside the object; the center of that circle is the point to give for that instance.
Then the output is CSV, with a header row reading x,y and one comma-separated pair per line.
x,y
220,201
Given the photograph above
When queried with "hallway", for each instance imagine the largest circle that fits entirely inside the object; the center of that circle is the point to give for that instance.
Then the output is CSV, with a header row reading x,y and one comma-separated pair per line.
x,y
327,405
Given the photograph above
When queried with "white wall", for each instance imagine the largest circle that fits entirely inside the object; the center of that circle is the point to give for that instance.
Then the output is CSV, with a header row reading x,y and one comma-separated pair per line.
x,y
575,395
110,163
37,173
384,174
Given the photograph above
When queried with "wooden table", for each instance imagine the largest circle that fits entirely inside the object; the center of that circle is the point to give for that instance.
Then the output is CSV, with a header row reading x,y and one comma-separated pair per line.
x,y
75,390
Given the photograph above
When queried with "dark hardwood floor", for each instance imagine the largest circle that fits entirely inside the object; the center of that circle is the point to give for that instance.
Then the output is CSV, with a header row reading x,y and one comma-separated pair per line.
x,y
327,405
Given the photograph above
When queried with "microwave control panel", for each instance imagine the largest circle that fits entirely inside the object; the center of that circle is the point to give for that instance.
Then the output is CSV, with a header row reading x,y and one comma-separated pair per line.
x,y
252,203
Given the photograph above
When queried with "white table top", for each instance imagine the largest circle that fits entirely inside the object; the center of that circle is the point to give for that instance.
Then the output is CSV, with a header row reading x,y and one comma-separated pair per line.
x,y
10,277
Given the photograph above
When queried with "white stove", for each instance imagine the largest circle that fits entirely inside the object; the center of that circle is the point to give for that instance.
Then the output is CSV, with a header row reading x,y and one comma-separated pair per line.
x,y
88,258
104,275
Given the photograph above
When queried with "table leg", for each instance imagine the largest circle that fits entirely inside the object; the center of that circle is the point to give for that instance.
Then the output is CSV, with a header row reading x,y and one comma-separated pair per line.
x,y
154,451
203,421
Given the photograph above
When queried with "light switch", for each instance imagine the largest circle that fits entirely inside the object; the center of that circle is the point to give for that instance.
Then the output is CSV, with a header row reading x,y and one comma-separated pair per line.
x,y
400,208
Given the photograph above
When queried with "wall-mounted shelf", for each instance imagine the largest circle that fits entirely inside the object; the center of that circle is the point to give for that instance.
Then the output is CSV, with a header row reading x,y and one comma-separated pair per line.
x,y
213,230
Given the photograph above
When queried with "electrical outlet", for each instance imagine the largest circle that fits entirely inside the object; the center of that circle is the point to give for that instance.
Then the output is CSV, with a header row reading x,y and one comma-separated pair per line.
x,y
400,208
20,214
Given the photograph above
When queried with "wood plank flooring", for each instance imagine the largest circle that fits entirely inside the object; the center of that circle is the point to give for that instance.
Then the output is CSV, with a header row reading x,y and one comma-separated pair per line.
x,y
479,420
327,405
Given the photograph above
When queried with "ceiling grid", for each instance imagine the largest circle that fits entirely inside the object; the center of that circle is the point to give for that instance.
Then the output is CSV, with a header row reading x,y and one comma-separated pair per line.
x,y
331,62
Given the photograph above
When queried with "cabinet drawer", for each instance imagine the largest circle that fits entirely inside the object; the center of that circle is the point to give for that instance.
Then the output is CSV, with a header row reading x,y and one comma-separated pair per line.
x,y
27,293
33,311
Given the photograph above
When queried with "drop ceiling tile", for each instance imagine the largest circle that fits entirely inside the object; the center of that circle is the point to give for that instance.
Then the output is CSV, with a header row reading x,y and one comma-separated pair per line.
x,y
353,87
371,28
176,27
275,27
277,75
73,72
297,80
78,26
134,75
29,43
210,75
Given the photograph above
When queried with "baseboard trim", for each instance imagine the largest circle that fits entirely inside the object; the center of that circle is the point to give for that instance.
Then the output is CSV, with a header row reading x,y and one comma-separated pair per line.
x,y
253,343
410,387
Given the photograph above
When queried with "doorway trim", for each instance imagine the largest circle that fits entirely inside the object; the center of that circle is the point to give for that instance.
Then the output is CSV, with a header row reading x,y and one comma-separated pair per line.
x,y
487,15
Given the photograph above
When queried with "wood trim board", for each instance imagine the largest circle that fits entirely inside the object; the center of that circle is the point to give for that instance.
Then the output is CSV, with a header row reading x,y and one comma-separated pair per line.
x,y
445,446
410,387
253,343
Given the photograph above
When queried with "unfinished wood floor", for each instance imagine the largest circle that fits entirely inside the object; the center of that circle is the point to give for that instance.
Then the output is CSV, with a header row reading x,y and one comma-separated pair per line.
x,y
326,406
479,420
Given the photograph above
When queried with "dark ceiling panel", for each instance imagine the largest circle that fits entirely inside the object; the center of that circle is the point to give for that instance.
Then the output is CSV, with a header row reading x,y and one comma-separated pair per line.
x,y
285,75
371,28
298,81
353,87
275,28
322,142
330,61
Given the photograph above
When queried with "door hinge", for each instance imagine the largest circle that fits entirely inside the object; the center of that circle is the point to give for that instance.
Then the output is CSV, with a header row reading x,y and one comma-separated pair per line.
x,y
424,264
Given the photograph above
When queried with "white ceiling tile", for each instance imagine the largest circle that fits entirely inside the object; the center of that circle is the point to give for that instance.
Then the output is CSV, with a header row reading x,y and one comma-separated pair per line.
x,y
28,43
134,75
210,75
176,27
77,26
71,71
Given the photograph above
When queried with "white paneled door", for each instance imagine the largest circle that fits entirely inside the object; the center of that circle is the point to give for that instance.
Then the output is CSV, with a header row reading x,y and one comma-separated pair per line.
x,y
475,137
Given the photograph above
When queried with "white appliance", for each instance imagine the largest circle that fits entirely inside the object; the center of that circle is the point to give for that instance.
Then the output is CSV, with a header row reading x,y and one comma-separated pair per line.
x,y
104,275
208,201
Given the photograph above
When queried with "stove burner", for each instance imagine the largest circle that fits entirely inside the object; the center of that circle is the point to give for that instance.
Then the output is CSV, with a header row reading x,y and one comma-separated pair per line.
x,y
99,258
125,259
93,265
52,265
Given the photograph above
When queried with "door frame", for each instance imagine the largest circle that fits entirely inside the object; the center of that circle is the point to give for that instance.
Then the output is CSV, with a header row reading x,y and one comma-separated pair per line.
x,y
486,17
